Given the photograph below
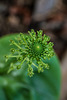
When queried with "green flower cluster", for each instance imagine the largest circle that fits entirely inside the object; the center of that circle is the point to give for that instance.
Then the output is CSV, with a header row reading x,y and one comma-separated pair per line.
x,y
34,47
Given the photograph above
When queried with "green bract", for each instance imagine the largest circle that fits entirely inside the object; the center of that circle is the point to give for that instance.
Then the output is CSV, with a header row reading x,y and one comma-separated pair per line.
x,y
32,48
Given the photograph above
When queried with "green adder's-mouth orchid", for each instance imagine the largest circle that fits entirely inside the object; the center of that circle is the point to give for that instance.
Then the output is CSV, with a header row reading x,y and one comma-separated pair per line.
x,y
34,47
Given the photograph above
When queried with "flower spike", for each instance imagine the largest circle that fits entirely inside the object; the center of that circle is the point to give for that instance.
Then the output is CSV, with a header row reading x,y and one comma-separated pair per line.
x,y
36,47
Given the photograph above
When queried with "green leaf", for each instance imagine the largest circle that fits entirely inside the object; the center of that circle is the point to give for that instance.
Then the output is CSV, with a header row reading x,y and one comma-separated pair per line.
x,y
42,86
2,94
47,84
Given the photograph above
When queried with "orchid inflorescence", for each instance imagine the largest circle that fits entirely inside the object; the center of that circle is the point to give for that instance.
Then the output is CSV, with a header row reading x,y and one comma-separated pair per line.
x,y
34,47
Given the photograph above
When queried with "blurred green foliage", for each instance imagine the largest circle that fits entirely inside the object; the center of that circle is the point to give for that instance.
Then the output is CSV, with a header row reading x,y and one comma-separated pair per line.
x,y
18,86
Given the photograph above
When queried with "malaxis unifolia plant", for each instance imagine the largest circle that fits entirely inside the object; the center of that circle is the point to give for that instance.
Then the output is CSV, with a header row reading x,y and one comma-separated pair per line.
x,y
32,48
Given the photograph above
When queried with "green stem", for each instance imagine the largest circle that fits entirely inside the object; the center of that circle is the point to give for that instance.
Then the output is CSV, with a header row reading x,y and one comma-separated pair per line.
x,y
25,42
23,61
32,63
12,56
17,45
35,65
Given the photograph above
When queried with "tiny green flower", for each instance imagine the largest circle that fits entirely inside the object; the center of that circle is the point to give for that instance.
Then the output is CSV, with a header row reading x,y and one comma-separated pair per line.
x,y
29,48
12,50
